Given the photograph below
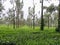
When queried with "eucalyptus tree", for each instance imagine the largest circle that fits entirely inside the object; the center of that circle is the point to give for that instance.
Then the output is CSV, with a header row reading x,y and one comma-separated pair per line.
x,y
42,20
46,19
1,11
32,14
29,17
55,19
58,28
42,7
1,6
51,9
19,6
17,10
36,21
10,19
13,11
29,21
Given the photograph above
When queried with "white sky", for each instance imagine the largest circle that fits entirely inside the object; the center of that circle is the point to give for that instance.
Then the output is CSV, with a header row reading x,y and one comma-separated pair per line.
x,y
29,3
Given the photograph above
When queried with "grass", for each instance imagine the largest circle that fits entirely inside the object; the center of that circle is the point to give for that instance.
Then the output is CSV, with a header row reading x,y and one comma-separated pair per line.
x,y
27,36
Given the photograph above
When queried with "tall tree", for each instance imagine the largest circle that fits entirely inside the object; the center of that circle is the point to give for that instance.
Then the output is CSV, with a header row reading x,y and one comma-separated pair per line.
x,y
46,19
1,6
50,10
33,15
42,20
55,20
13,16
19,6
17,10
58,28
13,11
29,17
10,17
29,21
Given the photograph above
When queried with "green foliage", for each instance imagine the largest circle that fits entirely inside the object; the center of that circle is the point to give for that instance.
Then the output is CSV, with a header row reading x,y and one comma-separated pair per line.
x,y
27,36
51,8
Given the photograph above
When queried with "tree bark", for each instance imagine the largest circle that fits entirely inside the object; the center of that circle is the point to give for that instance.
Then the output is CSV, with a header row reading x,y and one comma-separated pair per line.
x,y
17,18
58,28
48,21
33,15
18,10
13,16
14,19
42,21
33,22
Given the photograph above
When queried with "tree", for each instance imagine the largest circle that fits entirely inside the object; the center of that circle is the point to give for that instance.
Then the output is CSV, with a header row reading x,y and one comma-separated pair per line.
x,y
10,16
19,6
55,19
13,11
46,19
32,14
29,21
50,10
17,11
1,7
29,17
42,20
36,21
1,12
58,28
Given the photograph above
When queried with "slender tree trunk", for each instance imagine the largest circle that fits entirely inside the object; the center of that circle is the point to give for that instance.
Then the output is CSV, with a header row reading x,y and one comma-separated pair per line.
x,y
14,19
33,15
42,21
17,18
18,10
48,21
13,16
58,29
33,22
59,17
